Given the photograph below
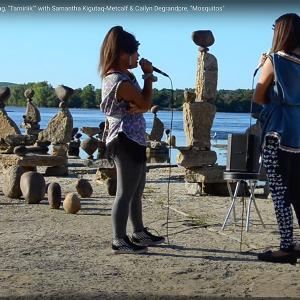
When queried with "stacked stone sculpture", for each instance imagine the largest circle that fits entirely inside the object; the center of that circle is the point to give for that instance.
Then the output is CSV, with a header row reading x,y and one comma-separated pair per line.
x,y
157,150
59,131
202,173
32,116
7,125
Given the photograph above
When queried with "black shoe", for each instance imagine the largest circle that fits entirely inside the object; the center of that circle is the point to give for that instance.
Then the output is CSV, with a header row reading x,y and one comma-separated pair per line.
x,y
284,259
125,246
296,253
145,238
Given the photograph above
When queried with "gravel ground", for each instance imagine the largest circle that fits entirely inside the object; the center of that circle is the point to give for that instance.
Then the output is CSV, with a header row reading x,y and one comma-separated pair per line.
x,y
50,254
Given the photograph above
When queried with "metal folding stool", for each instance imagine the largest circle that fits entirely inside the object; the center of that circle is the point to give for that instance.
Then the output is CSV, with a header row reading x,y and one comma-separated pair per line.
x,y
239,178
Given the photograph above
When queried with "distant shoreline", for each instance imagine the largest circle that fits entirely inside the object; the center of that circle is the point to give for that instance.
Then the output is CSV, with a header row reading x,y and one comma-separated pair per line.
x,y
161,109
231,101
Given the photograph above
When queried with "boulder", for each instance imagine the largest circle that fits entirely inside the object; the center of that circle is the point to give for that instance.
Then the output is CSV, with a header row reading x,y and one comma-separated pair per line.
x,y
157,131
191,158
64,92
61,170
71,203
59,129
84,188
90,145
54,195
198,119
154,109
11,181
111,185
46,187
206,78
203,38
33,187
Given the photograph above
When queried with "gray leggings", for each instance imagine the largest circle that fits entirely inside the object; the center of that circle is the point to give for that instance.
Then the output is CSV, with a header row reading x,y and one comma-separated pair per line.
x,y
131,178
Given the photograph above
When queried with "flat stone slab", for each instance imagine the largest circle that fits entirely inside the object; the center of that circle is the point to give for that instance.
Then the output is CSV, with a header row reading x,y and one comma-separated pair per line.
x,y
195,158
8,160
212,174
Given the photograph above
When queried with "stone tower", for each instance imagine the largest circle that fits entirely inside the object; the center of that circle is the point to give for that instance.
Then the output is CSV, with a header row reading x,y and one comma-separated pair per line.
x,y
202,173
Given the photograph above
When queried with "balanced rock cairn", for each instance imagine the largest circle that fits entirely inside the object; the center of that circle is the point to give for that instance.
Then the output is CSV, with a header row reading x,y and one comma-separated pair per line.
x,y
59,130
7,125
10,135
32,115
157,150
203,175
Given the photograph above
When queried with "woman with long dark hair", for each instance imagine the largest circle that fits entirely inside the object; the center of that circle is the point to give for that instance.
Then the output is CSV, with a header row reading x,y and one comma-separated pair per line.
x,y
278,89
123,102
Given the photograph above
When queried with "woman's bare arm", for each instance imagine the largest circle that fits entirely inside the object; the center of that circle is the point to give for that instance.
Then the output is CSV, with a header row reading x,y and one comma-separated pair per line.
x,y
128,92
142,99
265,80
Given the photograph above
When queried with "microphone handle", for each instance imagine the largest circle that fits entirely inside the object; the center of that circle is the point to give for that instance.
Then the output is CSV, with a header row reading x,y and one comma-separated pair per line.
x,y
261,64
256,70
159,71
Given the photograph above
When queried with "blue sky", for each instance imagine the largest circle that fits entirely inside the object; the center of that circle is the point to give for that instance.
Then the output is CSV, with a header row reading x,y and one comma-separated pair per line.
x,y
63,48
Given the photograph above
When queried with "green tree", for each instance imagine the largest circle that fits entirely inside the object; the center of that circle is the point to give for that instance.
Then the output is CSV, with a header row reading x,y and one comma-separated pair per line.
x,y
98,96
88,96
226,100
17,95
43,94
75,100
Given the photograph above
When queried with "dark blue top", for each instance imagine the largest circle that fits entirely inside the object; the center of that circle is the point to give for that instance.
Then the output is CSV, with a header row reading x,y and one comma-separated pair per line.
x,y
281,115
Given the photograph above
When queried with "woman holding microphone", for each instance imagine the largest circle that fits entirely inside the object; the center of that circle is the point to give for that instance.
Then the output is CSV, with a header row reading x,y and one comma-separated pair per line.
x,y
278,89
123,103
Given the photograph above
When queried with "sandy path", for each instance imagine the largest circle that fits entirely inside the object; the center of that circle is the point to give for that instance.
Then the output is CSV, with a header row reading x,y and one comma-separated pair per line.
x,y
47,253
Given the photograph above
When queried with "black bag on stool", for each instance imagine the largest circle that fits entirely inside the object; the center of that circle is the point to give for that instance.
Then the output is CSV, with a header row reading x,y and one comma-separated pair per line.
x,y
243,152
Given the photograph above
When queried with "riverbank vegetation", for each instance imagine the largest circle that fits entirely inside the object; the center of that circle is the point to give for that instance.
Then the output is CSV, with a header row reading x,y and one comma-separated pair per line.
x,y
90,97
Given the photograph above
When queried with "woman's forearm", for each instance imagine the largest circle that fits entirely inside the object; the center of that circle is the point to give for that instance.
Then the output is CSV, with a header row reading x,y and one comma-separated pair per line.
x,y
147,91
264,82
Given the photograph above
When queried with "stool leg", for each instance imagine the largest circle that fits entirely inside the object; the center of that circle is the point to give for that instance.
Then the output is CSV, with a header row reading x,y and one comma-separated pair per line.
x,y
252,185
231,197
232,204
258,213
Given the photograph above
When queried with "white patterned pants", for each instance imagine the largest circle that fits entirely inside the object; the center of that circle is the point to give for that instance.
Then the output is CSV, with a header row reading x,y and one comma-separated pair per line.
x,y
283,173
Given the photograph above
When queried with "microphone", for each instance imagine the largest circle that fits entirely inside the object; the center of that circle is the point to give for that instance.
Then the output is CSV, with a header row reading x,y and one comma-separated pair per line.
x,y
260,64
159,71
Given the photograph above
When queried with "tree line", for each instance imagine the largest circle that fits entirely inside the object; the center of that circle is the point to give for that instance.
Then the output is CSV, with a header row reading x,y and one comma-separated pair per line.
x,y
89,97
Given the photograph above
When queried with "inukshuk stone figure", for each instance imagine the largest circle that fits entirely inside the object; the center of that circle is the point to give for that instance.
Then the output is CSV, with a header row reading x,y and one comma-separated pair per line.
x,y
59,130
198,114
32,115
